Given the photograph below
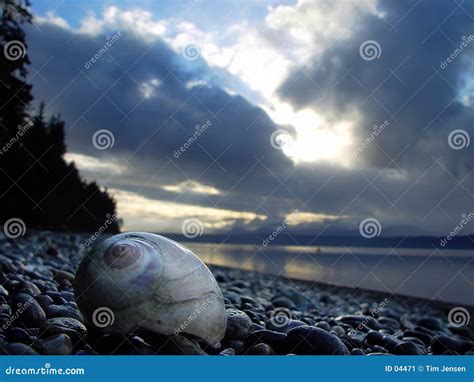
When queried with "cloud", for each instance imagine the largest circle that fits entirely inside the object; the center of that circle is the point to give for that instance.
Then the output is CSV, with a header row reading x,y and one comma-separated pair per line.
x,y
141,213
406,85
157,102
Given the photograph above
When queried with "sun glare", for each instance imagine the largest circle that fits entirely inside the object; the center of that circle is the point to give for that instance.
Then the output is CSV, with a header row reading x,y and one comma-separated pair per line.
x,y
316,139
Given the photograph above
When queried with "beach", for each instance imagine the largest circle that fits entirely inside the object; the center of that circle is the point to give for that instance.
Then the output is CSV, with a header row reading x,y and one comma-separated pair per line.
x,y
266,314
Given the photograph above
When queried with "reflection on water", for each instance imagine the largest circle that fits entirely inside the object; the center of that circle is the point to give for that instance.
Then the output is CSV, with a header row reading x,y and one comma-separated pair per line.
x,y
429,273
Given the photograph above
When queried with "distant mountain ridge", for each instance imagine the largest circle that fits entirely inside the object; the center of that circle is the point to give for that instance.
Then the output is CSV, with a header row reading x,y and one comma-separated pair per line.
x,y
460,242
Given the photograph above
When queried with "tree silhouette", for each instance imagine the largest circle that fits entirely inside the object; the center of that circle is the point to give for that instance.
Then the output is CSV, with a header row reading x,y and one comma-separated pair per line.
x,y
36,184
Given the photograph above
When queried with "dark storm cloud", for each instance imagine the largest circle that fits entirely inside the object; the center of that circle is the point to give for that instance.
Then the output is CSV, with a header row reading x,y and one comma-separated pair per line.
x,y
408,85
234,153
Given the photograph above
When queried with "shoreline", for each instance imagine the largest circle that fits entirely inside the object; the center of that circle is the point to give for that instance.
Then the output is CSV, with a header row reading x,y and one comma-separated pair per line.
x,y
266,314
381,295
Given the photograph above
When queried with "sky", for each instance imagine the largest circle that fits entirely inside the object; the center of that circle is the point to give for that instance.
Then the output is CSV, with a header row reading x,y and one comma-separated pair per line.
x,y
243,115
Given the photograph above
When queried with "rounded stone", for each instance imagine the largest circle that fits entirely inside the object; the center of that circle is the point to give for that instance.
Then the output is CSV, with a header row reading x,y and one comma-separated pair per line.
x,y
239,324
314,341
59,344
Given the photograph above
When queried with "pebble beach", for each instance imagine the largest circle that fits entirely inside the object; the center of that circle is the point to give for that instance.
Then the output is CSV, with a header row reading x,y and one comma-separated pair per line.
x,y
266,315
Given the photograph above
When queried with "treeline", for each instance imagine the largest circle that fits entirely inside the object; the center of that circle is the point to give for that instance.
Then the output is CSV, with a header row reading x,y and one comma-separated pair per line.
x,y
36,184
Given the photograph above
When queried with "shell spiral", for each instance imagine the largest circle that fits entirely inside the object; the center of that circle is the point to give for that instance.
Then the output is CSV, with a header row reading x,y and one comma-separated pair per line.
x,y
143,280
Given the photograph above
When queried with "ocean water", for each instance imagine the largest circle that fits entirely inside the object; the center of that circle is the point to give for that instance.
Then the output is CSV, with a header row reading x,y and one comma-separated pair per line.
x,y
445,275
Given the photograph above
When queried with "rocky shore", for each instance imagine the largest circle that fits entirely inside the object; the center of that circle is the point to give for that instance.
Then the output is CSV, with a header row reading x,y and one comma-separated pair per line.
x,y
265,315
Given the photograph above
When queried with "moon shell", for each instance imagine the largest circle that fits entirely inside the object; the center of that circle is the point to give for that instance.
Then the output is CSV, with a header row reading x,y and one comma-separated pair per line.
x,y
148,281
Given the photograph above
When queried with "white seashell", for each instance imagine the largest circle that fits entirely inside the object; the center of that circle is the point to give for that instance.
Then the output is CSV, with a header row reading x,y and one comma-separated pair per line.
x,y
139,279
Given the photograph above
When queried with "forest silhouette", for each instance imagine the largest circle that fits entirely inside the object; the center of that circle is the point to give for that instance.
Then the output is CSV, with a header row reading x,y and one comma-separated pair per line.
x,y
37,185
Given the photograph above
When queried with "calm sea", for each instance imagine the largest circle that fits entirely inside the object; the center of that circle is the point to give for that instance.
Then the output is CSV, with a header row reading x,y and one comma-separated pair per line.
x,y
446,275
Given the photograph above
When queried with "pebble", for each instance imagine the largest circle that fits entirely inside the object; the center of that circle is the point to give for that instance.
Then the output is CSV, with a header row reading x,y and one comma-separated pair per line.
x,y
430,323
65,325
283,324
283,302
407,348
323,325
333,323
59,344
442,344
260,349
15,334
426,338
239,324
28,311
338,331
278,341
60,276
311,340
64,311
228,351
358,321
